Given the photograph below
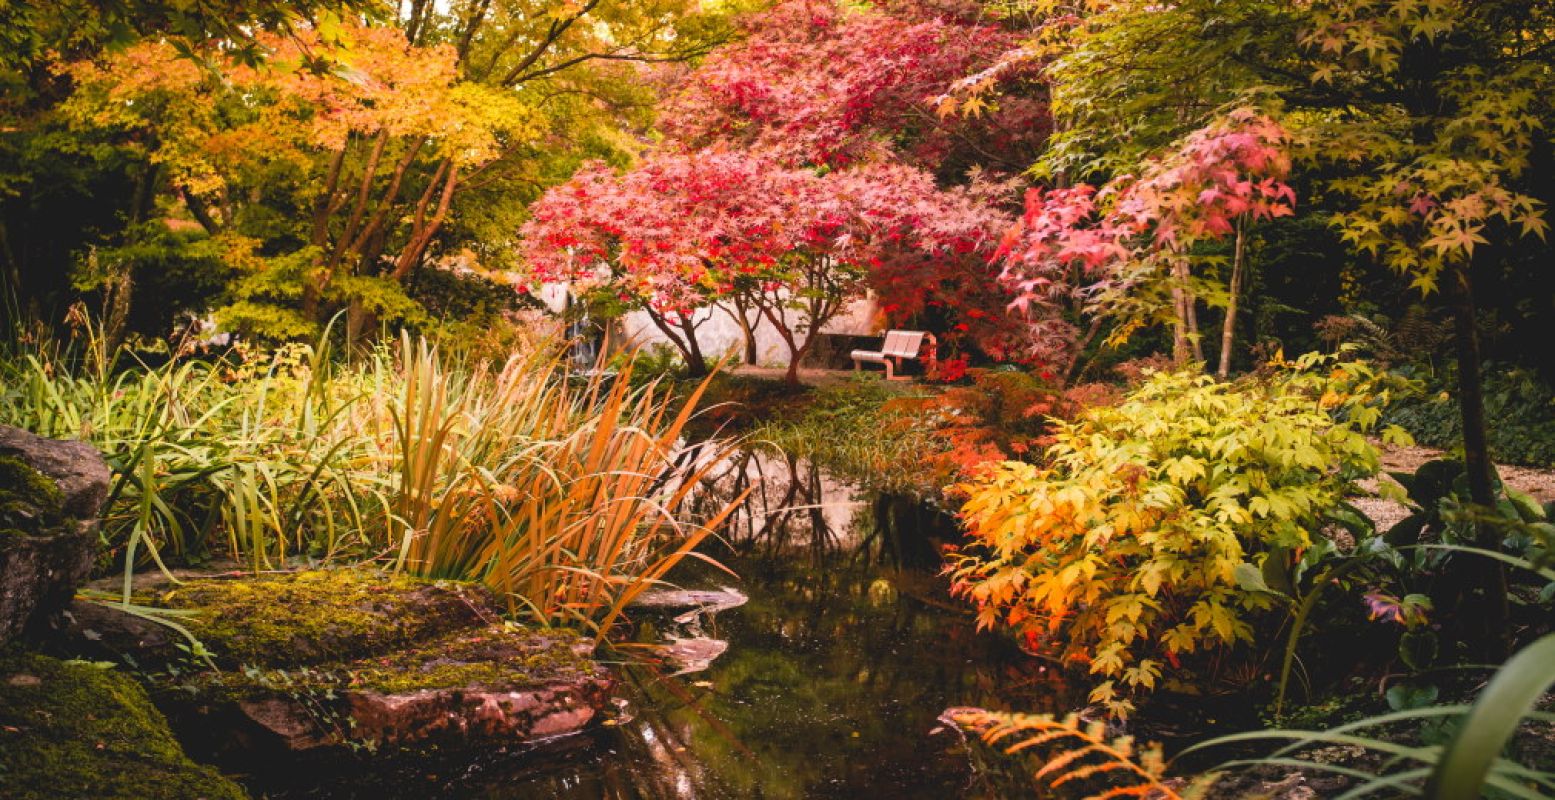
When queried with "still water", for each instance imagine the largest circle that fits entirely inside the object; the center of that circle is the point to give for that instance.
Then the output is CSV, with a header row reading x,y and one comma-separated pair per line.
x,y
836,670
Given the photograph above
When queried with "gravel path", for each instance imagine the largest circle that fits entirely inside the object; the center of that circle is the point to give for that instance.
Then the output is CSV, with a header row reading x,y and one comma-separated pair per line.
x,y
1537,482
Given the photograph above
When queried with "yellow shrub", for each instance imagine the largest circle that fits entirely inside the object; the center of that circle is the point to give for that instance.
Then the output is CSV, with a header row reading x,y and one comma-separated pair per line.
x,y
1121,550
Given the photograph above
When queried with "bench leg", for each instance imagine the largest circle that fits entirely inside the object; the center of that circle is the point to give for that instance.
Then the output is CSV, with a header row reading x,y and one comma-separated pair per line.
x,y
888,371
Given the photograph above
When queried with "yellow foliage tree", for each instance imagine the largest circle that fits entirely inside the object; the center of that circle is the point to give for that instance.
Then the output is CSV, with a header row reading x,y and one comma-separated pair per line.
x,y
353,149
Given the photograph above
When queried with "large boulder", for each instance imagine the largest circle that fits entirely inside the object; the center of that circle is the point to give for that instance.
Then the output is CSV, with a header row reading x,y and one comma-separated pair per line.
x,y
317,662
493,685
51,493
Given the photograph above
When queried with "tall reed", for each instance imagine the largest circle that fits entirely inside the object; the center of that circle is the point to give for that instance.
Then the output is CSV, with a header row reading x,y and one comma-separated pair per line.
x,y
563,494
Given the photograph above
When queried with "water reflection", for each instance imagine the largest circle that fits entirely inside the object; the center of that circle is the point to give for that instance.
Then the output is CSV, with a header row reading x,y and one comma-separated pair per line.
x,y
837,667
830,688
796,509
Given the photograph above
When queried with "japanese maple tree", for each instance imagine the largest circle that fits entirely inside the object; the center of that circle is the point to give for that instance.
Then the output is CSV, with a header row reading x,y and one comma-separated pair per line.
x,y
681,231
362,149
669,236
870,226
834,85
1127,251
376,153
1217,182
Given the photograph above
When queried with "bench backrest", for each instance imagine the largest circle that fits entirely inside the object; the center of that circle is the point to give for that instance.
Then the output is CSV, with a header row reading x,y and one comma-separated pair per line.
x,y
902,344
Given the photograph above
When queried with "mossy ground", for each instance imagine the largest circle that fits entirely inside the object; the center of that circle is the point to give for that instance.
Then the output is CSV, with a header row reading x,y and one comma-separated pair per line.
x,y
498,658
490,658
72,729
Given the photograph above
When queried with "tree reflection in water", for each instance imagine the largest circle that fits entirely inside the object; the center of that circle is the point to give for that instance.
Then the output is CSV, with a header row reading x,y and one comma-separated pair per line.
x,y
796,509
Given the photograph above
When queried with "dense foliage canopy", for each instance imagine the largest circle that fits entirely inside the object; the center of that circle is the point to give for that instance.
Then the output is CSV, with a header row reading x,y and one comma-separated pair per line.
x,y
1115,218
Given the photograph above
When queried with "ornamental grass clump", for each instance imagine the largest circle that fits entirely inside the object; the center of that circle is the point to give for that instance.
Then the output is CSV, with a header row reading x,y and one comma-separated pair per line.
x,y
1120,551
561,492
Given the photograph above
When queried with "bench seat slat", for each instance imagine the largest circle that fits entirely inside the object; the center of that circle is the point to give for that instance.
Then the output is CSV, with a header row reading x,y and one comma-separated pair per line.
x,y
907,345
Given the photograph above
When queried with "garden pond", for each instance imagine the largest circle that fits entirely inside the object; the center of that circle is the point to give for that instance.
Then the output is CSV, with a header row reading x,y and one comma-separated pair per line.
x,y
824,676
843,649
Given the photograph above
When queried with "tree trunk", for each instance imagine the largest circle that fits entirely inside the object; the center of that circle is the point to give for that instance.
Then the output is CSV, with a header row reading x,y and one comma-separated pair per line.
x,y
1485,609
386,203
328,203
201,212
684,340
117,290
1228,328
749,332
1179,328
1072,363
422,229
796,355
696,364
738,310
356,323
119,287
359,206
1191,308
795,351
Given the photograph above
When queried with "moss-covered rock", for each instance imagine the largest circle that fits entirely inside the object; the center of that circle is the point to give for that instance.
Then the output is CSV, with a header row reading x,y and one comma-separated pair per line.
x,y
324,616
334,659
30,503
71,729
76,468
496,684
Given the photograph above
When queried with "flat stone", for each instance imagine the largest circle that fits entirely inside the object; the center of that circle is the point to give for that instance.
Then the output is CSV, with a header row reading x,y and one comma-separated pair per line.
x,y
100,632
695,651
692,653
695,602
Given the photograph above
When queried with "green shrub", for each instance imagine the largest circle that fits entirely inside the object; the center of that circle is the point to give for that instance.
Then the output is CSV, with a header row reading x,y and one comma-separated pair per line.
x,y
851,430
1519,412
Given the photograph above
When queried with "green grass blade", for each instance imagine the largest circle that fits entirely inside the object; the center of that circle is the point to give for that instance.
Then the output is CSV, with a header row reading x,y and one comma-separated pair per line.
x,y
1496,715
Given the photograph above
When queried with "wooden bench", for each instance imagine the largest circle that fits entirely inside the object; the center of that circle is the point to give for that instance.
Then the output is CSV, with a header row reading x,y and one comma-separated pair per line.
x,y
898,345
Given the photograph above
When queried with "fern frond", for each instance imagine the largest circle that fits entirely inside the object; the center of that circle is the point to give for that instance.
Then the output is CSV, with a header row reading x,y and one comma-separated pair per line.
x,y
1075,752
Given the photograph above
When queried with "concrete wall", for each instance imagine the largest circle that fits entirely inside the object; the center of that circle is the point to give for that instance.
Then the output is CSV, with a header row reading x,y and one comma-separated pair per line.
x,y
719,333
